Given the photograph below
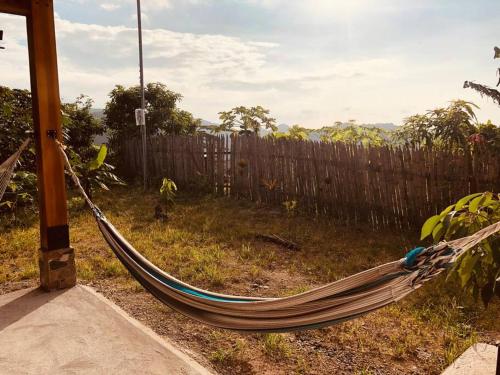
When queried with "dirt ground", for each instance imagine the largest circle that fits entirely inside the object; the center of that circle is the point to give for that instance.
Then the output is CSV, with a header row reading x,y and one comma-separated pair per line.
x,y
211,243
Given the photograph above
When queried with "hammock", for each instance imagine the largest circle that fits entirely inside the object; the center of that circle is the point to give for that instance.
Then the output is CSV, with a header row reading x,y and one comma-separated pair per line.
x,y
332,303
8,166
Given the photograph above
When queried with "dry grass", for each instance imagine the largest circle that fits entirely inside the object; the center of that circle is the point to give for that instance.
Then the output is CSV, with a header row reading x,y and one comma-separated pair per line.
x,y
211,243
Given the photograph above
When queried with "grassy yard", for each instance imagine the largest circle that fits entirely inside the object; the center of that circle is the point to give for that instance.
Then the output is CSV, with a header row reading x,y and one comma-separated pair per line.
x,y
211,243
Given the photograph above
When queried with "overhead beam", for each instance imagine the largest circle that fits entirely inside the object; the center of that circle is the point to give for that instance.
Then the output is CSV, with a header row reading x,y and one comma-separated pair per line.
x,y
17,7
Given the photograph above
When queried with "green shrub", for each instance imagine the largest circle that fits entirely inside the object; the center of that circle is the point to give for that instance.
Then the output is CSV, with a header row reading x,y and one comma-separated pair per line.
x,y
478,269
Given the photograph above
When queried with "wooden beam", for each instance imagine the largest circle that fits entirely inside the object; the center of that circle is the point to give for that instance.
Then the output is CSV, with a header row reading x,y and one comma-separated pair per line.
x,y
18,7
57,268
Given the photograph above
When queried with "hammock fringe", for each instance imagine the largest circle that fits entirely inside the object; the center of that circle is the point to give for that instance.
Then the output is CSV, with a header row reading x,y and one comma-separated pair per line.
x,y
8,166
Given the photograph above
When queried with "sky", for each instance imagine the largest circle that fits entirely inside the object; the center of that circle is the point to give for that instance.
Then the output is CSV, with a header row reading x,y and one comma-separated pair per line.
x,y
309,62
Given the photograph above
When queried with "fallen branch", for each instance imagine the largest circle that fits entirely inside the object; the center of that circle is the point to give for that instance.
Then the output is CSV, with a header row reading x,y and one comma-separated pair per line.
x,y
278,240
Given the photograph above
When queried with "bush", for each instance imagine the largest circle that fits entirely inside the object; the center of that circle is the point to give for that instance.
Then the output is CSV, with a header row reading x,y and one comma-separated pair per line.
x,y
79,127
479,269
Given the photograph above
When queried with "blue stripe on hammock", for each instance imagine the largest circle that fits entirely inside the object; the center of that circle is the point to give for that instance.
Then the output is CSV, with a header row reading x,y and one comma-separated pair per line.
x,y
158,276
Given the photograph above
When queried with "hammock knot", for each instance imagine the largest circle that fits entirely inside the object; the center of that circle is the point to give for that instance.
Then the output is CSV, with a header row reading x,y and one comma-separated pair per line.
x,y
97,212
411,257
429,262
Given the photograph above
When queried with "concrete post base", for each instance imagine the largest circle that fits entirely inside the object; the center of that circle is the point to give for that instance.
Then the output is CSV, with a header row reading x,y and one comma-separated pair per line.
x,y
57,269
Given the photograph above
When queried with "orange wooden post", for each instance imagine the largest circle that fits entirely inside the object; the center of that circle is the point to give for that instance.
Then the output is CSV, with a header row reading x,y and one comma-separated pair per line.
x,y
56,257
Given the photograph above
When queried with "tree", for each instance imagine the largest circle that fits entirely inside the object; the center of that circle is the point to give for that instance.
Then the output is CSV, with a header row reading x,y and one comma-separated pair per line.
x,y
447,128
354,133
296,132
80,126
488,136
246,121
454,125
16,124
485,90
183,122
416,131
299,133
163,116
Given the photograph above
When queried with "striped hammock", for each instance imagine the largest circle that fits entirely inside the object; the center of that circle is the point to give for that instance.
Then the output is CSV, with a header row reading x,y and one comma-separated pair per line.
x,y
8,166
332,303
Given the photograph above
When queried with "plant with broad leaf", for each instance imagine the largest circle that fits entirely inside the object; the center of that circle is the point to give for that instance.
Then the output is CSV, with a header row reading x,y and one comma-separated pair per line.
x,y
95,173
296,132
446,129
354,134
168,190
21,191
485,90
478,269
246,120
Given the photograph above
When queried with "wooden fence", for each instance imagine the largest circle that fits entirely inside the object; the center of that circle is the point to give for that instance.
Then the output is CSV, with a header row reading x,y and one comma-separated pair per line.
x,y
383,186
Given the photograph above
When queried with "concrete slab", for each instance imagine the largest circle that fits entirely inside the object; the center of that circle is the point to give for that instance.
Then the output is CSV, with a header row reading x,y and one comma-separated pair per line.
x,y
77,331
479,359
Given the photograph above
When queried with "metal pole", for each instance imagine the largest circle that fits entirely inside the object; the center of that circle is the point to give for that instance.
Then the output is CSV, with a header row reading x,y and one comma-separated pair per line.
x,y
143,100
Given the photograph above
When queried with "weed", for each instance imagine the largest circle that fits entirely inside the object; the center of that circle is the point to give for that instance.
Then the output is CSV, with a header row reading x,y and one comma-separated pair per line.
x,y
209,241
229,354
276,345
84,270
220,355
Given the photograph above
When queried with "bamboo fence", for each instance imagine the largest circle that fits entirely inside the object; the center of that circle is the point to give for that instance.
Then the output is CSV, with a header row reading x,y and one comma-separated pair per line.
x,y
383,186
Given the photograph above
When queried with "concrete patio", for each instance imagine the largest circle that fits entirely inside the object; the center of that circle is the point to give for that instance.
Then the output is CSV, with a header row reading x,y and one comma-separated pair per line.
x,y
77,331
479,359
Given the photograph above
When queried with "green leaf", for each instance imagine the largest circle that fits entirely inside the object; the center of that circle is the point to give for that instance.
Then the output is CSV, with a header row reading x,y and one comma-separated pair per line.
x,y
462,202
438,232
466,266
99,160
449,219
102,185
429,225
446,211
476,203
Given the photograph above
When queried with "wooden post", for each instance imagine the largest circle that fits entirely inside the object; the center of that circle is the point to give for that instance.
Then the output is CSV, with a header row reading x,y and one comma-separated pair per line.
x,y
56,257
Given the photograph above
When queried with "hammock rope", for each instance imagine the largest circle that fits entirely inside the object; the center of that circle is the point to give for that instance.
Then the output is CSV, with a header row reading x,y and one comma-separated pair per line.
x,y
8,166
329,304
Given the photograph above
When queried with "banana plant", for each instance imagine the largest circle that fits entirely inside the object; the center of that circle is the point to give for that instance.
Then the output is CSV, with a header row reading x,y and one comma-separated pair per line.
x,y
96,173
168,191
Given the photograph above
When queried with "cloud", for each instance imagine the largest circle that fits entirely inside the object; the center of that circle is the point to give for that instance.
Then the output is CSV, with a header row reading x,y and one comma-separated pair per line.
x,y
312,79
110,6
303,82
110,49
93,58
213,72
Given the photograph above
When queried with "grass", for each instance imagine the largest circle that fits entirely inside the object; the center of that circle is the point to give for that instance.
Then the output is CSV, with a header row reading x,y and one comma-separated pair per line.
x,y
210,242
276,345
